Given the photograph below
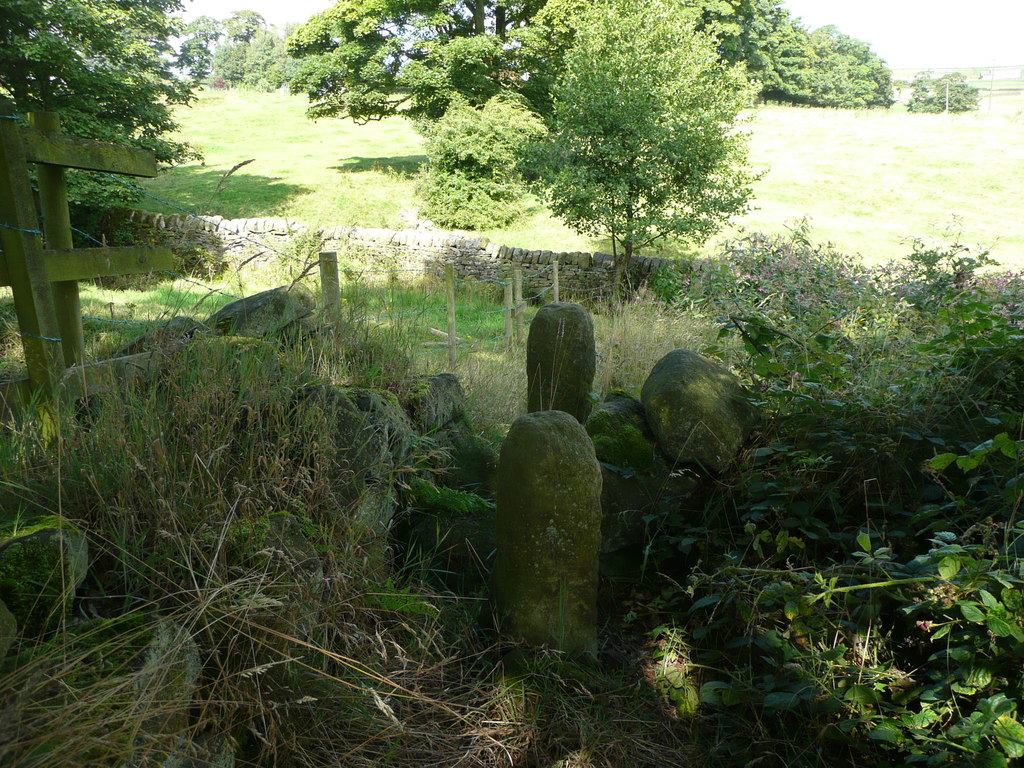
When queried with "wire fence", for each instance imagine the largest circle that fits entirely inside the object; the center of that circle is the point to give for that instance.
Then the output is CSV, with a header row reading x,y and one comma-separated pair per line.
x,y
473,316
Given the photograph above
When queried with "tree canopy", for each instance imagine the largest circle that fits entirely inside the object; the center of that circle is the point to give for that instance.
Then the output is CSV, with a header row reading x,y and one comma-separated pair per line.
x,y
644,144
104,65
370,60
366,60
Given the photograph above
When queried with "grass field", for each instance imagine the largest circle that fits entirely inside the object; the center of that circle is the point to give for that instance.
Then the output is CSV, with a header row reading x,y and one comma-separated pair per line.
x,y
869,181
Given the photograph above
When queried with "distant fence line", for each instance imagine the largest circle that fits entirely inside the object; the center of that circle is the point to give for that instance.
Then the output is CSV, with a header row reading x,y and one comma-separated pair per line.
x,y
471,257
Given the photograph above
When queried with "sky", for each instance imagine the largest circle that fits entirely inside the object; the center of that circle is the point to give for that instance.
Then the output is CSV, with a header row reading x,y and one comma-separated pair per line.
x,y
906,33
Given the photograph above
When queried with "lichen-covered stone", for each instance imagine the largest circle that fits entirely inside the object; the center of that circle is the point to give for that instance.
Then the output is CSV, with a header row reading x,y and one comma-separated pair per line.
x,y
561,360
620,434
8,630
278,312
698,411
548,533
388,419
293,552
164,687
42,563
177,330
436,402
362,450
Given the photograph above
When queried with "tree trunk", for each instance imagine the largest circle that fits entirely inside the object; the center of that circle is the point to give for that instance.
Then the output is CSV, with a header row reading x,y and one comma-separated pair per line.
x,y
479,17
500,21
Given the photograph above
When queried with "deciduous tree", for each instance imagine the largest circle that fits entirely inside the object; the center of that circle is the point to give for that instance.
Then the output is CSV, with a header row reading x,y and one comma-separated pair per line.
x,y
644,141
105,66
948,93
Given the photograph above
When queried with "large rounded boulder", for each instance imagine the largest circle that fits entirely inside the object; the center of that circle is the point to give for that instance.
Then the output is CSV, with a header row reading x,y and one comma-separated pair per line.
x,y
698,411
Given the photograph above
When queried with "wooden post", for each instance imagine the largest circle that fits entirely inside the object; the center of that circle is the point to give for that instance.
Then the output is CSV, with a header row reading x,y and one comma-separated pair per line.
x,y
509,310
517,297
453,341
554,280
330,290
53,200
23,262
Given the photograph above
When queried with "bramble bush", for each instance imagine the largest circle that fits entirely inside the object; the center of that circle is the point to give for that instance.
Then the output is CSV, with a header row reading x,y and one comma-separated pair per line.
x,y
852,590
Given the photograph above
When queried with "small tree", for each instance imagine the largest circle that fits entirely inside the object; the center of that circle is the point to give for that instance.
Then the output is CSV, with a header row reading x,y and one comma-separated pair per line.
x,y
949,93
644,143
473,179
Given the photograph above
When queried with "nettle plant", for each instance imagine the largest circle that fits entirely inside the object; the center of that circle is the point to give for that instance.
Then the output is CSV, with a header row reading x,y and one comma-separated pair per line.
x,y
858,578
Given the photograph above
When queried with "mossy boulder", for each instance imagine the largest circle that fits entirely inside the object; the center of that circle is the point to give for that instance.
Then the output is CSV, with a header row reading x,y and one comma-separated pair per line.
x,y
620,433
280,312
636,480
8,630
42,563
548,533
436,402
698,411
561,360
177,330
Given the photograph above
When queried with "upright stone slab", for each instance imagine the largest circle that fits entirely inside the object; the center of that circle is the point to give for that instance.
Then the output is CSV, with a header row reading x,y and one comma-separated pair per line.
x,y
561,360
548,533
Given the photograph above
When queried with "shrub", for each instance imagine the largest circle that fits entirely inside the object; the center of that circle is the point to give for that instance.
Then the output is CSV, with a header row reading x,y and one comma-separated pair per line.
x,y
949,93
473,179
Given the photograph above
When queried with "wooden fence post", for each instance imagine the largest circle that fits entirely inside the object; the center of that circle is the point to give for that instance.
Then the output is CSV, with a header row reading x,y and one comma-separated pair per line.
x,y
453,341
554,280
23,263
53,200
330,290
517,297
509,310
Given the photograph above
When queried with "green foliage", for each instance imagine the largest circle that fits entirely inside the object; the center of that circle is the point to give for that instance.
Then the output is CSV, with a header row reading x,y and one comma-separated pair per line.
x,y
260,62
105,67
858,589
644,145
824,68
845,73
948,93
447,502
368,61
195,54
473,179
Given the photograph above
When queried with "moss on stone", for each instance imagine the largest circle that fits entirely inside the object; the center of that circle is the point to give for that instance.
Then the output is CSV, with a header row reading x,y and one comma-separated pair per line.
x,y
620,443
42,562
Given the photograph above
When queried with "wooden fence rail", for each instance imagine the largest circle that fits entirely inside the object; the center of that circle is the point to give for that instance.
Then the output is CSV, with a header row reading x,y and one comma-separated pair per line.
x,y
44,280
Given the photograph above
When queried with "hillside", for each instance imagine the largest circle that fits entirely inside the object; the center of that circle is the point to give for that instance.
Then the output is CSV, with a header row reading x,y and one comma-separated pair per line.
x,y
869,181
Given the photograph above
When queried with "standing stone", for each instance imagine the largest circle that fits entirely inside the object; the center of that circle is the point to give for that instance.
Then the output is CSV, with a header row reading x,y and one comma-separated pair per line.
x,y
698,411
548,533
561,360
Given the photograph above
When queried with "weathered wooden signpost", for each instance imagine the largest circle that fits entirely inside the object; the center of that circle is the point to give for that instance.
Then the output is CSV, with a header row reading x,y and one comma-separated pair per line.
x,y
44,279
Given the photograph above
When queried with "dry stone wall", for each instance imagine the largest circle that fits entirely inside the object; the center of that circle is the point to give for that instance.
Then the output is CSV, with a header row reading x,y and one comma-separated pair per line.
x,y
411,249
